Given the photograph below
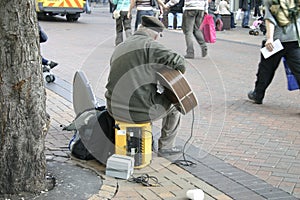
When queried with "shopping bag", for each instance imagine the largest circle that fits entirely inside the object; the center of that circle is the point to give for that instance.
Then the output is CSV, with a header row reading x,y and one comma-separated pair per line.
x,y
208,29
291,80
239,15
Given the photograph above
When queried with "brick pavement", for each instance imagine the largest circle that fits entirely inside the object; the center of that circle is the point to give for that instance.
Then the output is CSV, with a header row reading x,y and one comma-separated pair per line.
x,y
260,142
216,178
173,180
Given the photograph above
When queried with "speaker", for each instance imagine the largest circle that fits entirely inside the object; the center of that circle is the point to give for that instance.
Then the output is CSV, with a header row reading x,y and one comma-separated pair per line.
x,y
134,140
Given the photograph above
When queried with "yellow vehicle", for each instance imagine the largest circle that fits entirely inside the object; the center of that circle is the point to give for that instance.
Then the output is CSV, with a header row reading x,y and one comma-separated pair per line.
x,y
69,8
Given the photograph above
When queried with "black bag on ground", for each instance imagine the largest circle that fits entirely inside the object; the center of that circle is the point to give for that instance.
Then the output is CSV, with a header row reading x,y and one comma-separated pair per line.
x,y
78,149
94,136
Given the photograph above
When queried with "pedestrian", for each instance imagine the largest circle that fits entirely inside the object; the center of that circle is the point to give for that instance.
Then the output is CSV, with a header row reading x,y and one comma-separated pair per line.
x,y
284,27
175,11
224,9
257,13
144,7
131,93
246,6
43,38
49,63
122,20
194,11
213,10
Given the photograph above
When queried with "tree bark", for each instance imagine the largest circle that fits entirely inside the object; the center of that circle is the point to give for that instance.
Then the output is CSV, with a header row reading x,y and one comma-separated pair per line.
x,y
22,100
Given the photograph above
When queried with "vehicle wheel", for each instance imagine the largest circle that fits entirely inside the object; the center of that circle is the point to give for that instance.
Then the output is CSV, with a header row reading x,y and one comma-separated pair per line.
x,y
41,15
256,33
52,78
72,17
251,32
48,79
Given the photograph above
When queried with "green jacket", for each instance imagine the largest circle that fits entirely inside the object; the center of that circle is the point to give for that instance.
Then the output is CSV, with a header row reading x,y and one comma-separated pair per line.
x,y
131,94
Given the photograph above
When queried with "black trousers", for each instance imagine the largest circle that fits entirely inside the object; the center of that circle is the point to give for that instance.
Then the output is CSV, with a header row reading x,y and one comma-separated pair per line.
x,y
267,67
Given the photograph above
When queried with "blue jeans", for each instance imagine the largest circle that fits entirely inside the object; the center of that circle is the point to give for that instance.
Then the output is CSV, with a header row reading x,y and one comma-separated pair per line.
x,y
246,17
139,15
171,19
191,22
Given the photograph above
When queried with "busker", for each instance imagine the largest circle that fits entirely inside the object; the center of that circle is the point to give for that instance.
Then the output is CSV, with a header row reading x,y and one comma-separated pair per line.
x,y
132,95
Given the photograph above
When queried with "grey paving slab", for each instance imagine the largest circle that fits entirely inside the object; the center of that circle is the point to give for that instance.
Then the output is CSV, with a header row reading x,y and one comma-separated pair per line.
x,y
72,182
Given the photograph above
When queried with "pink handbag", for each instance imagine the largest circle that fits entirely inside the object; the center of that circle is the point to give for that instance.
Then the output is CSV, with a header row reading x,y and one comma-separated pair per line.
x,y
208,29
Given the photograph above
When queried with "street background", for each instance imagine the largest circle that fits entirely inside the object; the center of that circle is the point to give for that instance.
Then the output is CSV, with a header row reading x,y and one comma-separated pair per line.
x,y
262,140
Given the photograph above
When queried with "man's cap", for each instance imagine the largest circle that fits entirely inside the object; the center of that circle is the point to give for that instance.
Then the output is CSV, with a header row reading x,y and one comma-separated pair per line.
x,y
152,23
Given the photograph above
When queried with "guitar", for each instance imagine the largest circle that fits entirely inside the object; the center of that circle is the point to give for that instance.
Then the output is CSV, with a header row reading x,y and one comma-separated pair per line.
x,y
177,89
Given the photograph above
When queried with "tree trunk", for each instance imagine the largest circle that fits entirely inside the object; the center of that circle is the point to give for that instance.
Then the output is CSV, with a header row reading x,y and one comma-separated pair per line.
x,y
22,100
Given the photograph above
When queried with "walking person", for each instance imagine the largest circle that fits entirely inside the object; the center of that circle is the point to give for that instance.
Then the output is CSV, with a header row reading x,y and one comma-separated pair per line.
x,y
131,94
284,27
43,38
123,23
194,11
144,7
257,13
246,6
213,10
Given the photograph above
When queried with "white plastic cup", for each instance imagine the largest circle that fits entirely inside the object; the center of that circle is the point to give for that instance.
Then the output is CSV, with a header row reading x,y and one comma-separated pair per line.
x,y
195,194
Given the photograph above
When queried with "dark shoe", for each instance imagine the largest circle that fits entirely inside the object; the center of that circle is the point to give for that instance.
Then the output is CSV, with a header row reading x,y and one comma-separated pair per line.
x,y
189,56
204,51
46,68
168,152
52,64
252,96
246,26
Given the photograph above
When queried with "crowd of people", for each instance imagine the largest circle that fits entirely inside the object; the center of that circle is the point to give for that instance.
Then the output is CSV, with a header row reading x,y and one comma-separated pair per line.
x,y
171,13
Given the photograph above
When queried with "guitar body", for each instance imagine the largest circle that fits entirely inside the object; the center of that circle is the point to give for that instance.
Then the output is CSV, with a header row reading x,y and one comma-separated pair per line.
x,y
177,89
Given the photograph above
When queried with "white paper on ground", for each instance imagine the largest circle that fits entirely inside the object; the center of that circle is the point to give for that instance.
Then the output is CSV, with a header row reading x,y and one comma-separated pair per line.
x,y
277,47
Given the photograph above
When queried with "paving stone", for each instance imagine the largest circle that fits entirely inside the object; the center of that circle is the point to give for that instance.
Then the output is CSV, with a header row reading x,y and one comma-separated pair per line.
x,y
222,197
148,194
166,195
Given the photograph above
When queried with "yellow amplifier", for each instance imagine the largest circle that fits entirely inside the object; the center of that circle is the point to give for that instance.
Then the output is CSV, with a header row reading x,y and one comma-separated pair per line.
x,y
134,140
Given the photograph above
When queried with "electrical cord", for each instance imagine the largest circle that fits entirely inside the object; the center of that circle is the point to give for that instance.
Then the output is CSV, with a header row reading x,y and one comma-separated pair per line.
x,y
145,180
184,161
